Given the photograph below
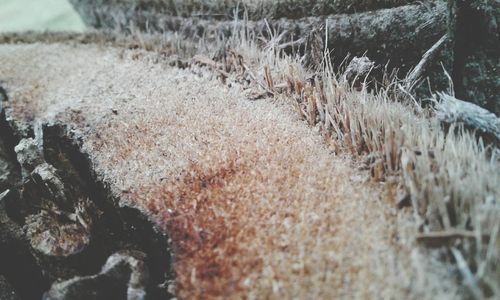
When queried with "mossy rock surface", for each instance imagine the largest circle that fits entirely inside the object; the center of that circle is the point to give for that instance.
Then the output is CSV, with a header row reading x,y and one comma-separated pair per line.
x,y
225,9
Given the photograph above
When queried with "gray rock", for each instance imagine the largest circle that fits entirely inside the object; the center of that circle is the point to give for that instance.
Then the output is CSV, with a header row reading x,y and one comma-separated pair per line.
x,y
9,171
357,70
58,223
3,95
45,177
29,155
9,231
17,265
51,236
124,276
7,167
6,290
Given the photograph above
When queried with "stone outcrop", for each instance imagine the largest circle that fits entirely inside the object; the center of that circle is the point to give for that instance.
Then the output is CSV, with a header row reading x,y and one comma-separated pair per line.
x,y
17,264
58,222
7,292
124,276
9,169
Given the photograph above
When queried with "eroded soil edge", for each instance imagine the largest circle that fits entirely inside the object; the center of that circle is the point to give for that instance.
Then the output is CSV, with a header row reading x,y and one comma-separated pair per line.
x,y
63,235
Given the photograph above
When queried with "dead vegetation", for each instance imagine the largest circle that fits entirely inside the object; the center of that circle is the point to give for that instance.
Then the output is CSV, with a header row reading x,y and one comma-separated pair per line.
x,y
449,174
446,175
446,170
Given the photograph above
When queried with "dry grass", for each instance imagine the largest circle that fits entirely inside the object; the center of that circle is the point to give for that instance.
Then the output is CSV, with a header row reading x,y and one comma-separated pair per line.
x,y
448,173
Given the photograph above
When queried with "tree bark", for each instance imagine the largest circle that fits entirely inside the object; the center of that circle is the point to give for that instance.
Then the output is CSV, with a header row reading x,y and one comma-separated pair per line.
x,y
256,9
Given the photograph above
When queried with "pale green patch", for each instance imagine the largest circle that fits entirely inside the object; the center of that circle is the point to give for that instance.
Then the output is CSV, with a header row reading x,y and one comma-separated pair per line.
x,y
39,15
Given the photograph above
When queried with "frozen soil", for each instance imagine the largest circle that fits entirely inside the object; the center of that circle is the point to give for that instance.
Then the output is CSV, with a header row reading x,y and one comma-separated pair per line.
x,y
255,203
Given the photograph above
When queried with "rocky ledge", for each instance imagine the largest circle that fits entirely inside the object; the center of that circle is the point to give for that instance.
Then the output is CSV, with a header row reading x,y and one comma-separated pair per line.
x,y
62,234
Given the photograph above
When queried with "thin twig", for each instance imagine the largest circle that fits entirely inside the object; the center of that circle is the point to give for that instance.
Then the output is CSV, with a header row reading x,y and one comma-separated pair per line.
x,y
269,78
469,278
427,58
442,238
256,80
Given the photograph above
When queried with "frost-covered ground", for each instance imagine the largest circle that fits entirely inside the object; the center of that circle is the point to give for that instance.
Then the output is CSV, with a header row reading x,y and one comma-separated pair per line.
x,y
255,204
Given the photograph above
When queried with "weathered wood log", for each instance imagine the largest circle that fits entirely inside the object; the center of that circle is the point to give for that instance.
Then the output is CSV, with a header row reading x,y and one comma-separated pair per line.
x,y
399,35
255,9
451,110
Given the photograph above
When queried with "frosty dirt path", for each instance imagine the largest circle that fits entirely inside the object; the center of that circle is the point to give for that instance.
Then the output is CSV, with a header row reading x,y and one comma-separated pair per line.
x,y
255,204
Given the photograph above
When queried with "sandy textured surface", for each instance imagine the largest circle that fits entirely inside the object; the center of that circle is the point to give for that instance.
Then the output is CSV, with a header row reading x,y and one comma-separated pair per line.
x,y
255,204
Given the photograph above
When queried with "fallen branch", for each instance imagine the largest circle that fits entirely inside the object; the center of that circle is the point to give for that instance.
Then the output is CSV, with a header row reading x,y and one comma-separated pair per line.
x,y
429,56
451,110
445,238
